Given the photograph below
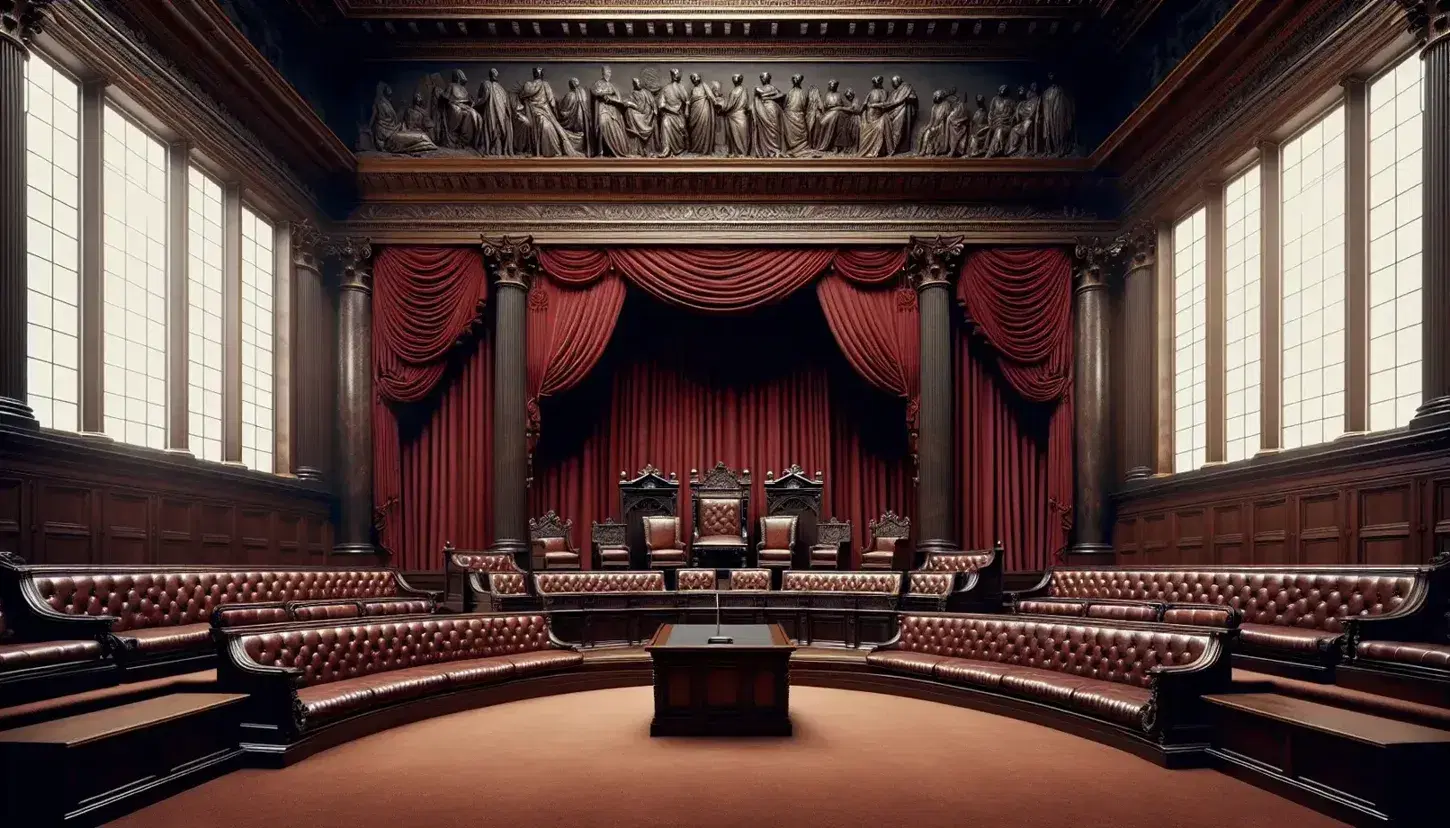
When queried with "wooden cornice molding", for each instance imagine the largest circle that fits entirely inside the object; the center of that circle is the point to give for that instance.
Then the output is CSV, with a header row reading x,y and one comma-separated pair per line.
x,y
199,36
93,34
720,9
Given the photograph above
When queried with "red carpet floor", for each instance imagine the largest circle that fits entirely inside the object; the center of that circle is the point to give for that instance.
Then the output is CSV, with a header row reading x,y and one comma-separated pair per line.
x,y
858,759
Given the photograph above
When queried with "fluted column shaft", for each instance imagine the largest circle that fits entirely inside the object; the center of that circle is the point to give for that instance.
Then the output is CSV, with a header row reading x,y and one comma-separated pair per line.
x,y
309,369
355,400
1139,339
1092,443
20,20
930,265
1431,23
514,263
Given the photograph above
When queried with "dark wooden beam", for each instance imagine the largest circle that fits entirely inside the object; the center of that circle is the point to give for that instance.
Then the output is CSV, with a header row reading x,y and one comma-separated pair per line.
x,y
1356,256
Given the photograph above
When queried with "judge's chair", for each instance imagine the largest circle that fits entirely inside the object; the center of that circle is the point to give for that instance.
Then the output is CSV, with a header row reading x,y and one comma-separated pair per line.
x,y
830,547
663,544
549,543
776,549
889,543
721,501
611,549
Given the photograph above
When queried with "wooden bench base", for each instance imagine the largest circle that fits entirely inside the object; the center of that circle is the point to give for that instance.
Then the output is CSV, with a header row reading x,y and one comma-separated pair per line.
x,y
92,767
1359,768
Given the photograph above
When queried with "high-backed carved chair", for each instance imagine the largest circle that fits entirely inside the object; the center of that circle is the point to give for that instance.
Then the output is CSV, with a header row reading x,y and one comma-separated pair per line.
x,y
549,543
829,550
795,493
611,550
648,493
663,542
889,539
776,548
721,501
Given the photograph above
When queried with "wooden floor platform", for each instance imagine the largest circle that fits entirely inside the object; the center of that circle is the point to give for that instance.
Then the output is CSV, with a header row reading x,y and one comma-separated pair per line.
x,y
1364,769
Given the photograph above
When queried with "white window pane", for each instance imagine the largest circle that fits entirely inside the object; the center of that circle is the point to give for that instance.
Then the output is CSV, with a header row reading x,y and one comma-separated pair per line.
x,y
257,281
1241,286
203,279
134,319
1191,365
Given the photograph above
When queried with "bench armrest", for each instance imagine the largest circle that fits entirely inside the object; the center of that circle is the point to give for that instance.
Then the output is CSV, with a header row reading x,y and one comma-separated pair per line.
x,y
1037,590
406,589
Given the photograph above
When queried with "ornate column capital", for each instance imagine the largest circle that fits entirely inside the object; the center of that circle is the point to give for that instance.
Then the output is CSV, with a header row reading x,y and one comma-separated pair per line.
x,y
1094,254
307,245
931,262
355,255
1429,21
515,259
22,20
1142,247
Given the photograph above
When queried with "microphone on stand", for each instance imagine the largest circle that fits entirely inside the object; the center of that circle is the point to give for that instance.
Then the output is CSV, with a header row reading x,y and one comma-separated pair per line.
x,y
718,638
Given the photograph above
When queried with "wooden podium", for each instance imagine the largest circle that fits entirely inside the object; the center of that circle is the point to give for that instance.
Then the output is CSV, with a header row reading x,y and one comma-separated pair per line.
x,y
737,689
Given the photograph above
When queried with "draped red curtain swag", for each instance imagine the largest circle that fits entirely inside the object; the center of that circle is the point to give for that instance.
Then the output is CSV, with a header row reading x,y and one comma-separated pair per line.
x,y
1017,303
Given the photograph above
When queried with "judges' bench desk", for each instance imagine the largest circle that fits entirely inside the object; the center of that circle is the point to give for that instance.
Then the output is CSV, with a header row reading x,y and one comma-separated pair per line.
x,y
737,689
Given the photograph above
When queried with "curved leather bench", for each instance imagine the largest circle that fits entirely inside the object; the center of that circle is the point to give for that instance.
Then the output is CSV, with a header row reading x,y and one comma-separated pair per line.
x,y
1197,615
1293,617
303,678
473,568
158,619
1145,679
275,612
32,670
1405,653
977,578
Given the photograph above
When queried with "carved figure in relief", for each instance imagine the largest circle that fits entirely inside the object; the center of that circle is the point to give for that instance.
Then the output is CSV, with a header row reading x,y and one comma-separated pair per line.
x,y
418,118
934,138
462,125
574,114
496,111
673,100
901,116
873,122
610,134
1024,132
766,114
391,134
959,128
700,117
546,137
848,131
980,130
735,116
795,124
823,131
1000,114
639,121
1057,114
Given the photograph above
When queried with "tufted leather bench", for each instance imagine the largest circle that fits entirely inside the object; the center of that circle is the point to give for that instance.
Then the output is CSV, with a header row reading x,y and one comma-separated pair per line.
x,y
472,568
885,583
556,583
695,580
246,615
303,677
976,581
1146,679
1405,653
1293,617
159,619
1198,615
39,669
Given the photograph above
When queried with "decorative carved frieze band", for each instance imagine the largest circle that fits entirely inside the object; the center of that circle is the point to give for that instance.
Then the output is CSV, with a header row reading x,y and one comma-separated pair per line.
x,y
515,260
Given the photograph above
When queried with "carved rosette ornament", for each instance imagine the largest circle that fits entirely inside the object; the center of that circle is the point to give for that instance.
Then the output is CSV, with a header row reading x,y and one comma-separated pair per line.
x,y
355,256
307,245
931,262
22,20
515,259
1429,20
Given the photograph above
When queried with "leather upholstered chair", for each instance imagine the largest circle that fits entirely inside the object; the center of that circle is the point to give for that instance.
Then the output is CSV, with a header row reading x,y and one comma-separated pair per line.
x,y
776,549
663,544
611,548
721,501
549,543
889,538
830,547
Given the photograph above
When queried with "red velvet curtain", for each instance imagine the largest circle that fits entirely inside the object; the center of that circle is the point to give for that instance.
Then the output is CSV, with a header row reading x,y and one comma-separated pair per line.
x,y
425,301
1019,301
568,329
752,401
877,331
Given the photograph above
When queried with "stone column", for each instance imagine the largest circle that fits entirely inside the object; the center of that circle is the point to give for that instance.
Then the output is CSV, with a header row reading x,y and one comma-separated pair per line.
x,y
20,22
1140,340
1092,429
354,398
930,265
309,370
1430,22
514,263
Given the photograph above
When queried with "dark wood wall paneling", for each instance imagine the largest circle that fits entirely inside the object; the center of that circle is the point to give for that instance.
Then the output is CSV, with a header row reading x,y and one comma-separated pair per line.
x,y
1373,501
74,500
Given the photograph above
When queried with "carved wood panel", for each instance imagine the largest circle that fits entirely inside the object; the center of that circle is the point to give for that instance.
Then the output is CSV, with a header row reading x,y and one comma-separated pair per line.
x,y
1386,510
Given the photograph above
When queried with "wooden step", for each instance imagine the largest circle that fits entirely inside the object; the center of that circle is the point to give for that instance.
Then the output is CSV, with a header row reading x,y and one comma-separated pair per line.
x,y
91,767
1334,695
1363,769
59,707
